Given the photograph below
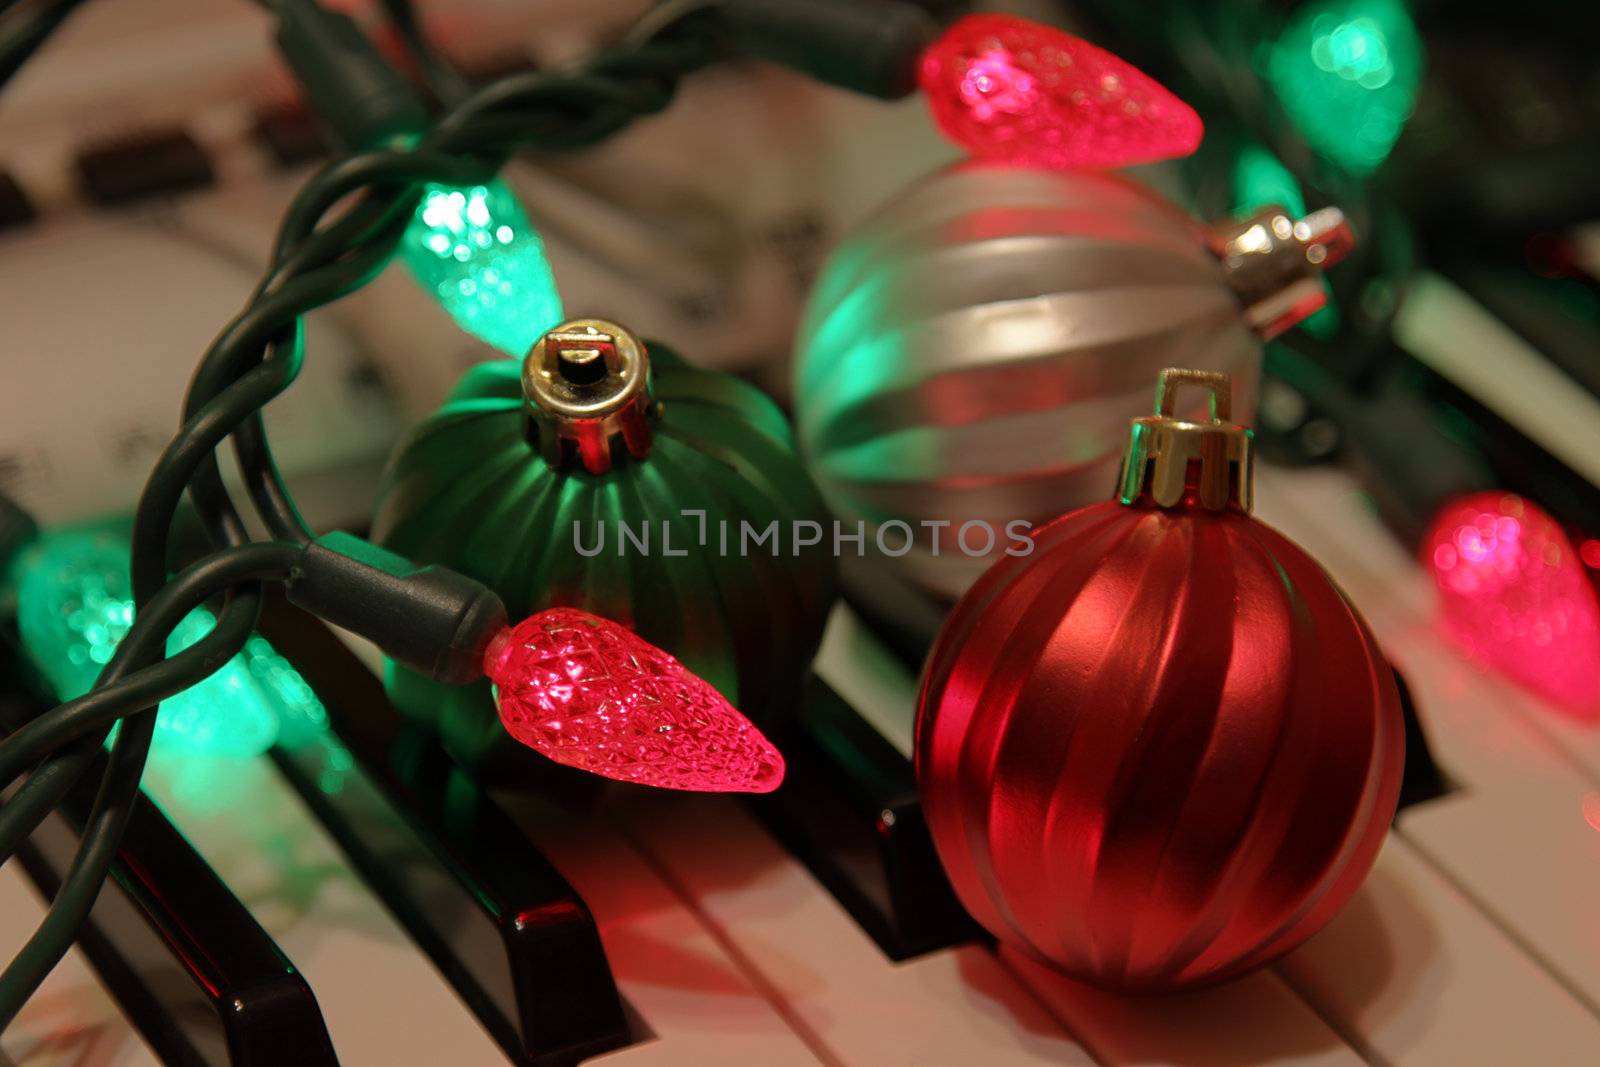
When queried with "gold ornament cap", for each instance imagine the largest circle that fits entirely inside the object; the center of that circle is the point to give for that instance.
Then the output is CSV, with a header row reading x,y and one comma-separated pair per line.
x,y
1175,463
587,388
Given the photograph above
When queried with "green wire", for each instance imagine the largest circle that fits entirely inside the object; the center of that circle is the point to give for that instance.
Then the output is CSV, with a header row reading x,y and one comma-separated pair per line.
x,y
119,788
253,359
447,84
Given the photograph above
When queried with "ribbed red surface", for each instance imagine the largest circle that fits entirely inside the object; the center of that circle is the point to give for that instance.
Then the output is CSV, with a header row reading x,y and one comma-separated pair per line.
x,y
1159,751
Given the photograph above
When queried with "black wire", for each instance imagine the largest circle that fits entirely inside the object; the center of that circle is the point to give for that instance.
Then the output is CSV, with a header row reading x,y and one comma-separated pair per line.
x,y
447,84
264,482
177,466
262,478
44,791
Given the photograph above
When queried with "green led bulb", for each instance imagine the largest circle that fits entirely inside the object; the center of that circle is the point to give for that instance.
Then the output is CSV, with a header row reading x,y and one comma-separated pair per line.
x,y
1347,73
476,251
1260,179
74,605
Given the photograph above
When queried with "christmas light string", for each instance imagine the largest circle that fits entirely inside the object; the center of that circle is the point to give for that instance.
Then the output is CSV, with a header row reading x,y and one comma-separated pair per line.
x,y
254,359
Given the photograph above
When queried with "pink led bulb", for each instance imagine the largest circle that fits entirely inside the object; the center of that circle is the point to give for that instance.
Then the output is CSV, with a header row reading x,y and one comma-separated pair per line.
x,y
1017,91
1515,596
593,695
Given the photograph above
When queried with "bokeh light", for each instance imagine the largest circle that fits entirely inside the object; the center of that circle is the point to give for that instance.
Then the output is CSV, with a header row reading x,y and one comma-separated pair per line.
x,y
1347,74
75,605
1009,89
1515,596
475,249
593,695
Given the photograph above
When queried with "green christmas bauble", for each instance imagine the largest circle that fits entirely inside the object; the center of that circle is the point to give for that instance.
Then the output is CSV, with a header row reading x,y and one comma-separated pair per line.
x,y
626,483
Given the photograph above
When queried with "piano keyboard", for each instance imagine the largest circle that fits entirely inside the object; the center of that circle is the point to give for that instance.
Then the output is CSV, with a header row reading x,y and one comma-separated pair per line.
x,y
737,933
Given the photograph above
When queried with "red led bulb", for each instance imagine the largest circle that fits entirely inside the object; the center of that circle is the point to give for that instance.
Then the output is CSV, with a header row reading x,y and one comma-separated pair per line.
x,y
592,695
1017,91
1516,597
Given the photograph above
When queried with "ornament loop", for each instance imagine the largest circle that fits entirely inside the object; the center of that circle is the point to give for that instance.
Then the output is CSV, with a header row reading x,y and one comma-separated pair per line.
x,y
587,383
1218,384
1176,463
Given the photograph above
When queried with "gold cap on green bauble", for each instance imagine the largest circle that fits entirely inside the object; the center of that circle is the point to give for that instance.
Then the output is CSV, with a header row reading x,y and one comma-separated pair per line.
x,y
587,387
1175,463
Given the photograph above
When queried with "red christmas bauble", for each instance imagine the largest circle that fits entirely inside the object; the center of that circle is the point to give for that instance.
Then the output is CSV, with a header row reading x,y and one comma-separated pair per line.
x,y
1163,748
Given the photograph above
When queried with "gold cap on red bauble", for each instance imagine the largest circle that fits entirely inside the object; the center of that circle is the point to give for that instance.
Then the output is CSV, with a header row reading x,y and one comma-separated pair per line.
x,y
1172,462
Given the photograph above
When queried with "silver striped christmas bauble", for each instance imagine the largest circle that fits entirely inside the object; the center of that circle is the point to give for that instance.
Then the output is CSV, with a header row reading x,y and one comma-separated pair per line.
x,y
974,353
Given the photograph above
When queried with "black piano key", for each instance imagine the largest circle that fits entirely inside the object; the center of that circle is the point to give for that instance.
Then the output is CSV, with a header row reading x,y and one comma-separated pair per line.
x,y
849,810
1518,463
1422,779
488,69
903,617
193,970
17,529
15,208
510,934
291,133
156,164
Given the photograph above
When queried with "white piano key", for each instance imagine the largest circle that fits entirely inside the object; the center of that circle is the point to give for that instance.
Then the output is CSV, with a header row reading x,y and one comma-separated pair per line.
x,y
955,1006
1485,732
1534,866
72,1020
381,998
1326,512
1447,330
1257,1019
1414,974
1578,737
1478,738
869,677
370,655
698,1004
